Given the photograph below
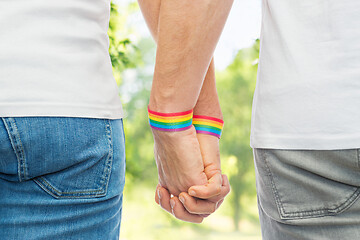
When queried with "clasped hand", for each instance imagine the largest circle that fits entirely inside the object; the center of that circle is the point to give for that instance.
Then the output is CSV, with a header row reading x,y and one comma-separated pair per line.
x,y
189,169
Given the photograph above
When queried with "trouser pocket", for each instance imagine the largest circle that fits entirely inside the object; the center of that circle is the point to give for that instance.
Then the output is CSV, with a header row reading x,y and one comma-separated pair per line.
x,y
66,157
306,183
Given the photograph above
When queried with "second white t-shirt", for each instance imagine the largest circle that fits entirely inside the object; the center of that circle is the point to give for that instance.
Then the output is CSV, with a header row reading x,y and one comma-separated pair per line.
x,y
308,88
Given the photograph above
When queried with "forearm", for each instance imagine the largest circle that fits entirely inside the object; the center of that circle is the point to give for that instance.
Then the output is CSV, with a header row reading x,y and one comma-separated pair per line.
x,y
207,102
183,61
150,10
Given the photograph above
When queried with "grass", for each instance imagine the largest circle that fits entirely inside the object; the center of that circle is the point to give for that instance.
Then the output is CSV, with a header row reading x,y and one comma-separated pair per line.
x,y
143,219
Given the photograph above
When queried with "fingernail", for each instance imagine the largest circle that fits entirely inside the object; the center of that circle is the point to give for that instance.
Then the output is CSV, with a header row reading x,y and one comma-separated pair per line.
x,y
192,193
182,200
172,203
159,193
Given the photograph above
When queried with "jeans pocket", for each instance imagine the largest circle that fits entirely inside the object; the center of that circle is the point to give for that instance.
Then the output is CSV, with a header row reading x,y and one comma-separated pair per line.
x,y
66,157
85,180
86,164
303,187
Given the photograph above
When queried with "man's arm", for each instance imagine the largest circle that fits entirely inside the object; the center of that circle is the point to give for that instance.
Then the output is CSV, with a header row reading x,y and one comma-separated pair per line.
x,y
207,104
161,140
208,199
188,32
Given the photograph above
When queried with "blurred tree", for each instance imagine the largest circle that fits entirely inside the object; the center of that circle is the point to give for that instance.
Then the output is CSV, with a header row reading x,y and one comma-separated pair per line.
x,y
236,85
128,58
141,167
123,53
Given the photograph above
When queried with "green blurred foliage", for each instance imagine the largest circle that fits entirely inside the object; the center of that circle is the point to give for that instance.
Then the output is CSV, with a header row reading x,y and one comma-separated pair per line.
x,y
133,67
141,166
236,85
123,53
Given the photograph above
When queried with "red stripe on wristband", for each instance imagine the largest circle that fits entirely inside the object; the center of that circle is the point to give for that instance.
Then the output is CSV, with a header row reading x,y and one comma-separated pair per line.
x,y
170,114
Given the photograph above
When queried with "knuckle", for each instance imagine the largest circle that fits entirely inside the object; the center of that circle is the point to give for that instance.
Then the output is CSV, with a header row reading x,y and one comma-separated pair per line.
x,y
218,190
173,190
206,192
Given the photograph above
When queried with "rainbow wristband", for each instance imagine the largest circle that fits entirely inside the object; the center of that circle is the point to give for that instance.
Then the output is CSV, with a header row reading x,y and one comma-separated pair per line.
x,y
208,125
170,122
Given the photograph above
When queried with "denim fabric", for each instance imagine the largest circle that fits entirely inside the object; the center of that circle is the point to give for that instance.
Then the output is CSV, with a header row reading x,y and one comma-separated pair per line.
x,y
308,194
61,178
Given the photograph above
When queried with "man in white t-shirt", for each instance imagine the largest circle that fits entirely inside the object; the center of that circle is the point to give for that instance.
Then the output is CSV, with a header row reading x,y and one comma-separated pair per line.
x,y
305,129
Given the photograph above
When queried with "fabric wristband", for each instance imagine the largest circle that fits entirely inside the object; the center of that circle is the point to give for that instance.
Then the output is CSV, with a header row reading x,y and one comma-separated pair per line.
x,y
170,122
208,125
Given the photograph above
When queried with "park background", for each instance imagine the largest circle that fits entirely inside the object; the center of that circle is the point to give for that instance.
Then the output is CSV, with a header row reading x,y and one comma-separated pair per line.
x,y
132,53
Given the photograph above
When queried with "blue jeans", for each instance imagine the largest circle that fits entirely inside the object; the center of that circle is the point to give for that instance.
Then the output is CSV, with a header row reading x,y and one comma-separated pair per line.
x,y
61,178
308,194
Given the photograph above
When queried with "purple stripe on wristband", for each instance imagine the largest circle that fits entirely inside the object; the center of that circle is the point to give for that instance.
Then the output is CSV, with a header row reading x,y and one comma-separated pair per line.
x,y
171,130
209,133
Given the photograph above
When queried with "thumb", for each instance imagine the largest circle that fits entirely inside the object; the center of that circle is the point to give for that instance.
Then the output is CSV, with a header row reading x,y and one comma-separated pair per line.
x,y
209,190
209,146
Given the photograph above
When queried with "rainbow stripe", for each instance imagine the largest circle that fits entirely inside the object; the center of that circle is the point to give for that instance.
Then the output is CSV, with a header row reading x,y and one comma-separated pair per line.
x,y
208,125
170,122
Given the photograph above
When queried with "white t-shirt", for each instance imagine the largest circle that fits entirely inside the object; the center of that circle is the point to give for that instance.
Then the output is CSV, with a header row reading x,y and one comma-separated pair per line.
x,y
308,88
54,59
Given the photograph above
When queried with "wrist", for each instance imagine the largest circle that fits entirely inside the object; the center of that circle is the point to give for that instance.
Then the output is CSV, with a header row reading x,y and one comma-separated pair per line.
x,y
176,95
209,111
168,105
208,105
208,108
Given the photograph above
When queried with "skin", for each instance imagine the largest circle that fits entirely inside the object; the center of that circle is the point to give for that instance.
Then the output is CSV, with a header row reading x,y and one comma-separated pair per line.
x,y
216,187
188,32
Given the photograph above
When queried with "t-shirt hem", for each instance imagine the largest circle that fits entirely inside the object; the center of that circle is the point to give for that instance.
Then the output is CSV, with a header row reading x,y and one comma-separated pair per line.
x,y
61,111
306,143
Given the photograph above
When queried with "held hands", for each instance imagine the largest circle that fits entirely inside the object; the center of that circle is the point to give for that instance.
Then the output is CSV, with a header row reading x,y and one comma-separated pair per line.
x,y
186,161
189,168
178,159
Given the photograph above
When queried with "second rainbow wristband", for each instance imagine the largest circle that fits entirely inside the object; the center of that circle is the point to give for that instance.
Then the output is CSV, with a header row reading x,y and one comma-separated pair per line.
x,y
208,125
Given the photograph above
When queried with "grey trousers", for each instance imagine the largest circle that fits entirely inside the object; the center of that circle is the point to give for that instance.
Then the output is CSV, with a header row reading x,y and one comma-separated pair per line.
x,y
308,194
